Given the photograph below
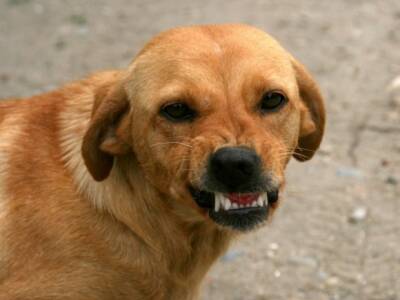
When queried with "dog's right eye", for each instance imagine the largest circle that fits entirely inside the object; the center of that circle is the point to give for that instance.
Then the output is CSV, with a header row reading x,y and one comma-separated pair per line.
x,y
178,112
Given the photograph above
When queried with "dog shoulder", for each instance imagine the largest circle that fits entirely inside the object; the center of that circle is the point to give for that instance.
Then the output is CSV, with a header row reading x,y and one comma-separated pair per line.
x,y
35,134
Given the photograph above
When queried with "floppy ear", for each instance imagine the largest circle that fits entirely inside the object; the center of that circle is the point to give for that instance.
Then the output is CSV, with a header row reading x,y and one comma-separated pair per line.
x,y
312,114
108,132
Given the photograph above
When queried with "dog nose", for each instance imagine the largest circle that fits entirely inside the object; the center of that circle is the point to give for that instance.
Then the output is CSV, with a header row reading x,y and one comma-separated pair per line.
x,y
235,166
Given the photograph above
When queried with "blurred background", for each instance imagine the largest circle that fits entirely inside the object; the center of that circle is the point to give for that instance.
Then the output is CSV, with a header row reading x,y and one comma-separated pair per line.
x,y
337,233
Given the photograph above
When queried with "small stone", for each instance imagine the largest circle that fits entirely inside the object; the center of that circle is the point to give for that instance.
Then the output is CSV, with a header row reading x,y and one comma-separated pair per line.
x,y
332,281
4,77
391,180
270,254
322,275
384,162
395,84
83,30
262,296
231,255
361,279
60,44
394,92
17,2
277,273
325,149
308,261
274,246
392,115
349,172
358,215
79,20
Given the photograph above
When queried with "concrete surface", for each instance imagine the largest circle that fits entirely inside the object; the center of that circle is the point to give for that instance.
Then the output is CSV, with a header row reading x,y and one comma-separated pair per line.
x,y
337,235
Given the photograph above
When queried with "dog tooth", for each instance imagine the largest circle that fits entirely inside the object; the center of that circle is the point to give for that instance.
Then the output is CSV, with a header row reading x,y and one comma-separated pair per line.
x,y
260,200
254,204
220,200
235,206
227,204
265,199
217,202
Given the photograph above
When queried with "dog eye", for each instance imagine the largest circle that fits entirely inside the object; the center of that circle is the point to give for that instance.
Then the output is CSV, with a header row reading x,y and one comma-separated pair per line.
x,y
178,112
272,101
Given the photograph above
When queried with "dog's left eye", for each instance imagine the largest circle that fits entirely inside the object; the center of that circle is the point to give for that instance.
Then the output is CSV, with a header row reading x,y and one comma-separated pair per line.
x,y
178,112
271,101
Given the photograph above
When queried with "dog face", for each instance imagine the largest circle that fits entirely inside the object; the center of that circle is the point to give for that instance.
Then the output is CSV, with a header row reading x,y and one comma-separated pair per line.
x,y
213,115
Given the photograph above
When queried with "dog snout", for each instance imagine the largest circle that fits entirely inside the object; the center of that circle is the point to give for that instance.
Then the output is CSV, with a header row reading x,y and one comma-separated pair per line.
x,y
235,167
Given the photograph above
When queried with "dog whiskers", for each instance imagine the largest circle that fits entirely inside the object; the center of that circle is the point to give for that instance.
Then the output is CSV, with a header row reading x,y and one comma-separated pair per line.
x,y
168,143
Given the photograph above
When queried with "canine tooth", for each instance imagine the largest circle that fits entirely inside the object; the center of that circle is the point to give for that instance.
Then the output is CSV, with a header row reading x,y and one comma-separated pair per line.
x,y
224,202
227,204
265,199
217,202
221,201
254,204
235,206
260,201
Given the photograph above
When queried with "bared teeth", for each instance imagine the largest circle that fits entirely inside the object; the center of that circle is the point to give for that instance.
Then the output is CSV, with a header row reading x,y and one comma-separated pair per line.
x,y
265,199
227,204
222,202
217,201
260,201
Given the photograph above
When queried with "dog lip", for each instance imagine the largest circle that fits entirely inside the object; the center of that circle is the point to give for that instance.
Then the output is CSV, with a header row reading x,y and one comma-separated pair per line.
x,y
203,198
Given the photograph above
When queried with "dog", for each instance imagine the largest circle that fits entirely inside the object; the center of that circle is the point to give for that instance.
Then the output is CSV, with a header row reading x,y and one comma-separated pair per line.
x,y
130,184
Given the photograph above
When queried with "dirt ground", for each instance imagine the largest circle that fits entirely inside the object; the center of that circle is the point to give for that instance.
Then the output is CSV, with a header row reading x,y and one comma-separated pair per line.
x,y
337,234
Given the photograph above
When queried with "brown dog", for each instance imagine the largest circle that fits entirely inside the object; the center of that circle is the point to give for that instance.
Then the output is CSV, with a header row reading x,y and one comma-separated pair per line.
x,y
130,184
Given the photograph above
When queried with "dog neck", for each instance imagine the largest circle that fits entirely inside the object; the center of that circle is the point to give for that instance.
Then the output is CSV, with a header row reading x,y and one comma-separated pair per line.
x,y
185,247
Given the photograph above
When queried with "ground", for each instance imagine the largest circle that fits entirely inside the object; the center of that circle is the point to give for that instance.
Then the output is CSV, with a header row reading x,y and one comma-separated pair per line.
x,y
337,234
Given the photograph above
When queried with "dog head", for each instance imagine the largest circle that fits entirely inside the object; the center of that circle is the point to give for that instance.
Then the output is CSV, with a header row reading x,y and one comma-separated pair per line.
x,y
212,114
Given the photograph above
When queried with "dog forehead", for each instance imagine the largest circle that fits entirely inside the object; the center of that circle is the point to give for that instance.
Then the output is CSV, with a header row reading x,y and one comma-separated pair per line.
x,y
188,38
211,45
214,56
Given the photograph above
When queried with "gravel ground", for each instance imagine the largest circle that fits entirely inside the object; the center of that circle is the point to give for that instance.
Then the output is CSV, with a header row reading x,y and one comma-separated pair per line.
x,y
337,234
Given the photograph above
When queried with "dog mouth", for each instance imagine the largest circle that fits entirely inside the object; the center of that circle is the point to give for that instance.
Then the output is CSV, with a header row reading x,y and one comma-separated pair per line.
x,y
239,211
239,202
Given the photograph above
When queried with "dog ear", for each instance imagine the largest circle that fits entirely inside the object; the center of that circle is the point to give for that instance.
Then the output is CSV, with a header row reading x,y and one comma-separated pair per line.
x,y
312,114
108,134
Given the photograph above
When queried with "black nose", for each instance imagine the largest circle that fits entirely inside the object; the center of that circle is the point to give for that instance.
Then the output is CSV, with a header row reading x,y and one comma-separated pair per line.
x,y
235,167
